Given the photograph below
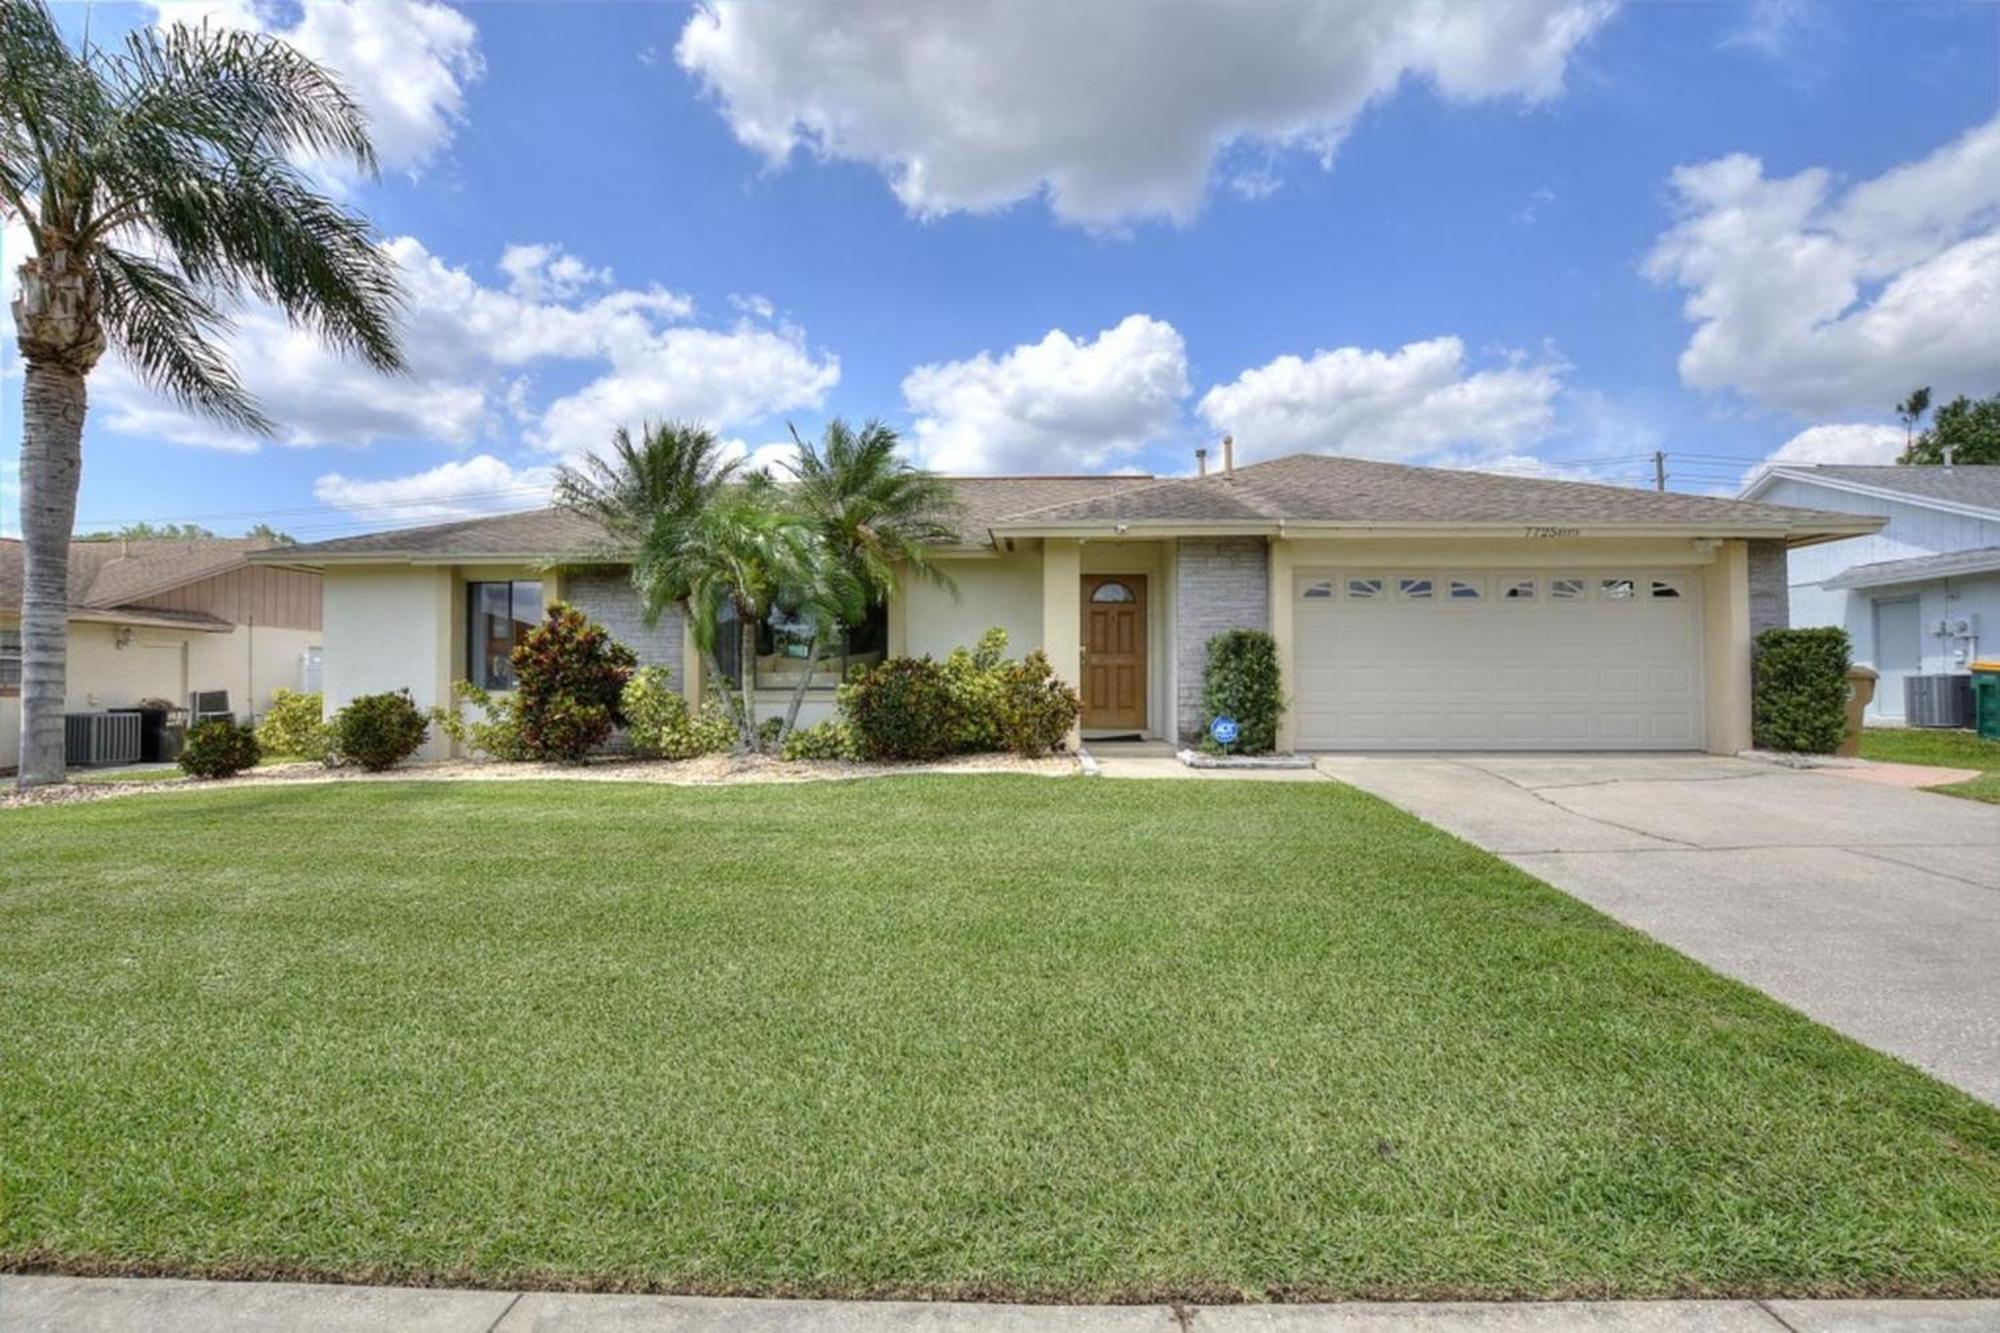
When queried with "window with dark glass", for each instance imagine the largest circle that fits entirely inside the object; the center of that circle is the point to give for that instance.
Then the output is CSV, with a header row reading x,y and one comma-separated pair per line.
x,y
500,614
784,649
10,659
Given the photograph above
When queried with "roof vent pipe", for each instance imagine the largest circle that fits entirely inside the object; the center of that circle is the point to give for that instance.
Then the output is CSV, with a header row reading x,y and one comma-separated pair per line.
x,y
1947,455
1229,456
1201,462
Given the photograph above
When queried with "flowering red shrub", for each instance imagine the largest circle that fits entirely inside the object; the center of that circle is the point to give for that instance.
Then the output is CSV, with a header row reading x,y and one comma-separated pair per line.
x,y
568,674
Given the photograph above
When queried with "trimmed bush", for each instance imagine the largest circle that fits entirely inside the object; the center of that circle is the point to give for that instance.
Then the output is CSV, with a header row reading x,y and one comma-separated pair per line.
x,y
1799,690
294,726
903,709
495,733
832,739
1242,682
376,731
219,749
568,675
660,725
1036,710
977,680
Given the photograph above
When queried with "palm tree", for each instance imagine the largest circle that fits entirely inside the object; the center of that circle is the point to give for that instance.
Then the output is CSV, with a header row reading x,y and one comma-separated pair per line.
x,y
876,515
667,475
157,184
1911,410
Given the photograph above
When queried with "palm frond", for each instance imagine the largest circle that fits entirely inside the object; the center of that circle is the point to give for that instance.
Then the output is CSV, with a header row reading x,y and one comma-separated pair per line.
x,y
167,333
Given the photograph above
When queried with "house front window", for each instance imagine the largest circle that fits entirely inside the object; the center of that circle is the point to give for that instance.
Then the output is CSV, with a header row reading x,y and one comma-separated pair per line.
x,y
10,659
501,614
784,648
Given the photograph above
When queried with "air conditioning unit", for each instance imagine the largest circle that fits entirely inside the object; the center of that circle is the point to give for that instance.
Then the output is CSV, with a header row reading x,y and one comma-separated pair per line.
x,y
1937,701
94,739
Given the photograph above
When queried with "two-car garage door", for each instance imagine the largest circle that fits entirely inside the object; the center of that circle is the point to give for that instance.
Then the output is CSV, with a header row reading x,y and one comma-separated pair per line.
x,y
1496,659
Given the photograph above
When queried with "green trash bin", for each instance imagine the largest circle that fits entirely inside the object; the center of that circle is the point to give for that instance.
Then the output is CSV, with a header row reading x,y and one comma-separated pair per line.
x,y
1986,699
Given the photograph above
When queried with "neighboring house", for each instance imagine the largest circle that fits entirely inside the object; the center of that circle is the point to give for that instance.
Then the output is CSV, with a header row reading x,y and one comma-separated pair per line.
x,y
161,619
1916,596
1413,608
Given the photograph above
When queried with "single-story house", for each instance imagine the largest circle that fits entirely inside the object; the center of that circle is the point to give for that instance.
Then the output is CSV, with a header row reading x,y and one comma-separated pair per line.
x,y
163,619
1414,608
1913,595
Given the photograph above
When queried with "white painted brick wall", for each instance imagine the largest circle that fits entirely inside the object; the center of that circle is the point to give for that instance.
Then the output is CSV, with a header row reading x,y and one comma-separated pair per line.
x,y
1220,583
1770,597
608,597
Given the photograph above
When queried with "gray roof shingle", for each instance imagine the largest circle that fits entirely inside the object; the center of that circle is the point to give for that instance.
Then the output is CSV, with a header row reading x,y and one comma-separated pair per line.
x,y
1300,487
1965,483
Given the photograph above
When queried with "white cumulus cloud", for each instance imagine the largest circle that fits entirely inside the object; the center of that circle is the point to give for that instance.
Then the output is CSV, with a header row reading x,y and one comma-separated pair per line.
x,y
407,62
548,272
1401,406
1063,404
479,485
1113,110
1837,442
1819,299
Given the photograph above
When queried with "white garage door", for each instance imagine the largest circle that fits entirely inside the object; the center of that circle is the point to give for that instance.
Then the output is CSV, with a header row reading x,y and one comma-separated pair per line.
x,y
1488,659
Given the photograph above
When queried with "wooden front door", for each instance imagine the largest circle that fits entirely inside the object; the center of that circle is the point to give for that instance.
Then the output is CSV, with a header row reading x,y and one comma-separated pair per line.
x,y
1114,652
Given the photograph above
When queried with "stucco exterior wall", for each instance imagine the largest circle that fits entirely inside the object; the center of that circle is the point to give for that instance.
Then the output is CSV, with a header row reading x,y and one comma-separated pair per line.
x,y
389,628
1004,590
1220,583
10,731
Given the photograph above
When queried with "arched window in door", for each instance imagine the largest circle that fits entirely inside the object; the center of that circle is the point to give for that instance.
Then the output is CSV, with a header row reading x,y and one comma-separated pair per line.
x,y
1110,591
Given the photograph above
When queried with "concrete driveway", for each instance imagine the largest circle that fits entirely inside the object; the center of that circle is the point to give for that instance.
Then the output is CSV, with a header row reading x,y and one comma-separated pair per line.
x,y
1873,909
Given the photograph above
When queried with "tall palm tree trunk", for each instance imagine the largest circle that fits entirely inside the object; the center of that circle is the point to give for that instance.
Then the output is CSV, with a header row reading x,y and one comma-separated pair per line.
x,y
61,336
799,693
746,657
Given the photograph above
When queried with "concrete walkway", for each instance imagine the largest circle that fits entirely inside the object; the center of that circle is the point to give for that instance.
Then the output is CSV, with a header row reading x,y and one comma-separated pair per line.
x,y
88,1305
1874,909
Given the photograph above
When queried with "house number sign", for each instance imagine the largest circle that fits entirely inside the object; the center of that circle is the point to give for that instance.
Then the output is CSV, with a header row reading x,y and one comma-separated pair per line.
x,y
1555,532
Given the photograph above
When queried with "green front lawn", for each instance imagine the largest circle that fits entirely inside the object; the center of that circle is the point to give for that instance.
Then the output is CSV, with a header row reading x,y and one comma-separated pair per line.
x,y
1947,749
983,1036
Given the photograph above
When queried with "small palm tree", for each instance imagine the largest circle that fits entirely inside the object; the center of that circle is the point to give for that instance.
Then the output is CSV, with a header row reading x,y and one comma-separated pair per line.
x,y
667,475
1911,410
878,517
157,185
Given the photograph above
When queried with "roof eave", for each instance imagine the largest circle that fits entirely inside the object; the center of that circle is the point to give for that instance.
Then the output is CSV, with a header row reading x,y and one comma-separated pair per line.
x,y
1764,482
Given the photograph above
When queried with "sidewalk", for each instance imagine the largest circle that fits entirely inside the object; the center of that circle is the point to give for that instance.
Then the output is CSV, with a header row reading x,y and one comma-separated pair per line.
x,y
87,1305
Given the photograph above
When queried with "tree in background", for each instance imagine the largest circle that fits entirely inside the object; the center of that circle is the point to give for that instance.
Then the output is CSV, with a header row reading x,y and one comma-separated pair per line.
x,y
1911,411
156,182
265,532
150,532
1969,428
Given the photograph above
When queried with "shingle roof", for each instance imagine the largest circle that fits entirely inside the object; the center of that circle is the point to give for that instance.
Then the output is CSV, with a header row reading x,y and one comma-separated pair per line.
x,y
107,575
1301,487
554,534
1323,488
1917,569
1964,483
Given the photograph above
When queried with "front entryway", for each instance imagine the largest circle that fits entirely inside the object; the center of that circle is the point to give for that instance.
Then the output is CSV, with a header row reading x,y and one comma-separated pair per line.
x,y
1417,658
1114,652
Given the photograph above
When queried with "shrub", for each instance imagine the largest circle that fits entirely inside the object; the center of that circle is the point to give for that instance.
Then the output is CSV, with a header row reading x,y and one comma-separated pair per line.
x,y
377,731
1242,682
495,733
219,749
976,679
1799,691
293,726
661,726
902,709
831,739
1036,710
568,675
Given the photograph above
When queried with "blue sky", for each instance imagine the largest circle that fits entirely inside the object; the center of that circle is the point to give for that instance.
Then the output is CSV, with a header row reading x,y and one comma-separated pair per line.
x,y
1548,236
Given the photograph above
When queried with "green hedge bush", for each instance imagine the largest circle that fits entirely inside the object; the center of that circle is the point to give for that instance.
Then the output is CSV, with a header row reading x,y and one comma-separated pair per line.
x,y
219,749
903,709
977,680
495,732
1242,682
376,731
832,739
1799,690
294,726
1036,710
568,675
661,726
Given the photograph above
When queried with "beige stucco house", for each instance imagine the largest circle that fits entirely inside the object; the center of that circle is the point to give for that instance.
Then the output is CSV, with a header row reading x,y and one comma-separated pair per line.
x,y
161,619
1414,608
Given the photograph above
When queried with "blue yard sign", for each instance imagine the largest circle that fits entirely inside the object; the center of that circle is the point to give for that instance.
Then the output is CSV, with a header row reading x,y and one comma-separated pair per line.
x,y
1223,730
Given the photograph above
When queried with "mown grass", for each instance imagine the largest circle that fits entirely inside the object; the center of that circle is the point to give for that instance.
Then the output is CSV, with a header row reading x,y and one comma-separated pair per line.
x,y
1946,749
972,1036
